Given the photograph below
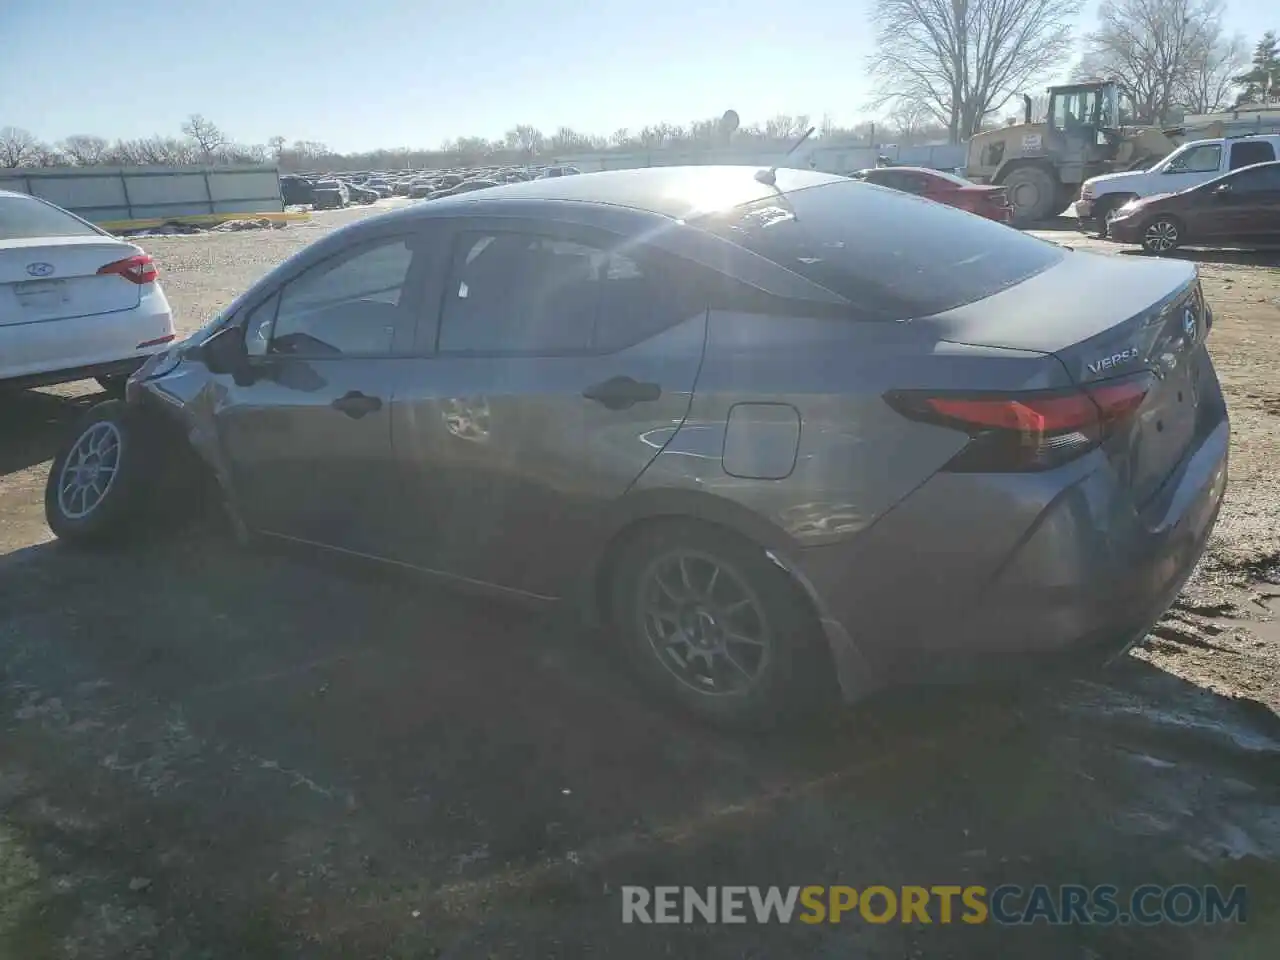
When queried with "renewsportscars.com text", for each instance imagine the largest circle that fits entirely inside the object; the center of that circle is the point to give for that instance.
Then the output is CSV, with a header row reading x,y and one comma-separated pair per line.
x,y
1009,905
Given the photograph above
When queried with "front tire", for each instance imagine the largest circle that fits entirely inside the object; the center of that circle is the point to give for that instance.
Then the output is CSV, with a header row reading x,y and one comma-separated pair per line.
x,y
1163,234
97,482
709,621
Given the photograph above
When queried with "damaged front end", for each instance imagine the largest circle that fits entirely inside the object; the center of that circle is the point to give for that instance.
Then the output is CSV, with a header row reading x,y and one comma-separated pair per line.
x,y
173,399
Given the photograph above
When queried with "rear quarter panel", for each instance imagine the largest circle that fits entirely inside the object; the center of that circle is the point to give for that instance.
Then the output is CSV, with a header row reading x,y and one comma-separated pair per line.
x,y
855,457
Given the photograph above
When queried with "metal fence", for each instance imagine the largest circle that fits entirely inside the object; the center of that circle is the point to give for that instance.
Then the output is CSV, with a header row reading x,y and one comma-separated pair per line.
x,y
112,195
836,158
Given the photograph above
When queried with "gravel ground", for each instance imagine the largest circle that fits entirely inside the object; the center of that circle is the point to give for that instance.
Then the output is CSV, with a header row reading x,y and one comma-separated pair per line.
x,y
209,752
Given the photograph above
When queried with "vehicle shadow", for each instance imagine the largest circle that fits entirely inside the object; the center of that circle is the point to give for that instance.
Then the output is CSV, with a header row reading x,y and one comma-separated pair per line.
x,y
1063,224
33,423
461,770
1248,258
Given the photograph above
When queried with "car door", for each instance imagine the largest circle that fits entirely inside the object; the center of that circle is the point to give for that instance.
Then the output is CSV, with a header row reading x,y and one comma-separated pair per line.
x,y
562,366
308,440
1244,207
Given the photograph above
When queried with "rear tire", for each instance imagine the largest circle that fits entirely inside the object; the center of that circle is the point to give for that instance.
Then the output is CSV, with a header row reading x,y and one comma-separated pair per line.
x,y
1162,234
1033,191
98,482
709,621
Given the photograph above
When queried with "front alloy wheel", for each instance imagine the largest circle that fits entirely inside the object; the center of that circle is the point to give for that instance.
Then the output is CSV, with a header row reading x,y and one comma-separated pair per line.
x,y
98,480
1161,236
89,470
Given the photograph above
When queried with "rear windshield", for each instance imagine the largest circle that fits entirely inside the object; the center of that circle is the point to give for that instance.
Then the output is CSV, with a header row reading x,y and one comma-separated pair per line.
x,y
25,218
892,254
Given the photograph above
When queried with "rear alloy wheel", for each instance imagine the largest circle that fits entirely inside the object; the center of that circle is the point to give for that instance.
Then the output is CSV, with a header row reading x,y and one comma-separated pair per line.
x,y
1162,235
96,481
710,621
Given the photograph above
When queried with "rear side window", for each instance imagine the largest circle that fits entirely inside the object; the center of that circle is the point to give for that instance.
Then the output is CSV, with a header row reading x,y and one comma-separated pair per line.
x,y
1247,153
525,293
892,256
25,218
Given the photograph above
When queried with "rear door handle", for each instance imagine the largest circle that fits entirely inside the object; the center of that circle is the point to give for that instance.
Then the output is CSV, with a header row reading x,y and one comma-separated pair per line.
x,y
618,393
356,404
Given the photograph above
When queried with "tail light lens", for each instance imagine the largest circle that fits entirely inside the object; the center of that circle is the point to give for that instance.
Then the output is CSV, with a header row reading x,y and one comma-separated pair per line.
x,y
139,269
1026,431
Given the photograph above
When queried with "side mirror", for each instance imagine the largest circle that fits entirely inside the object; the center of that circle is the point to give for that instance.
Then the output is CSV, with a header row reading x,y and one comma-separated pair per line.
x,y
225,353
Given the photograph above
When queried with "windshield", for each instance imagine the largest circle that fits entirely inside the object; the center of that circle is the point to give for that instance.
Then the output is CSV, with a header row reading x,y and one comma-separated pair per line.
x,y
1077,108
893,255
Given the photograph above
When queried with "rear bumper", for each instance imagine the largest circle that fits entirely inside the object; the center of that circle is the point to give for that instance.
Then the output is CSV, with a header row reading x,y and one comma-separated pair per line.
x,y
116,368
982,575
60,351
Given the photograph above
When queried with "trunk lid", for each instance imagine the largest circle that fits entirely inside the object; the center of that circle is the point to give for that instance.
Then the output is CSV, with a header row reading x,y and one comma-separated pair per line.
x,y
56,278
1107,318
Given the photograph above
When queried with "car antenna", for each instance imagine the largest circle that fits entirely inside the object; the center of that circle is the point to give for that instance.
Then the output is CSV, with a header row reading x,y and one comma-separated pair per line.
x,y
770,176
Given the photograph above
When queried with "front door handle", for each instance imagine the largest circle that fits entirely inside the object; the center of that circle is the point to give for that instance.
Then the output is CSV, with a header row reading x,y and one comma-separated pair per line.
x,y
356,404
618,393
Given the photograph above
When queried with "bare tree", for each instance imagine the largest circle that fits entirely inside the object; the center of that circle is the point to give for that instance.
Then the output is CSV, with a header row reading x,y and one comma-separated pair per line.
x,y
525,138
18,147
1210,82
907,119
84,149
208,138
963,59
1154,47
275,146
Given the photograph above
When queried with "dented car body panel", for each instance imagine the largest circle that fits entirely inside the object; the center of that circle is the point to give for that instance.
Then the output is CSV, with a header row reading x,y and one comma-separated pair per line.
x,y
746,395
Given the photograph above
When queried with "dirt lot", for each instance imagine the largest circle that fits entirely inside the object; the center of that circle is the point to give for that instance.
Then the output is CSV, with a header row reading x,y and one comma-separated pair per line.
x,y
213,753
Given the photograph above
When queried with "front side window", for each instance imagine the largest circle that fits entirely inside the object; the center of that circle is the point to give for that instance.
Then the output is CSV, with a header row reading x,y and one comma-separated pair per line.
x,y
348,305
1206,158
524,293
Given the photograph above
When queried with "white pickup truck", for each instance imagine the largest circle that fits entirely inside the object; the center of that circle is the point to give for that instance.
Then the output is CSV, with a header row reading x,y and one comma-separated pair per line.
x,y
1188,166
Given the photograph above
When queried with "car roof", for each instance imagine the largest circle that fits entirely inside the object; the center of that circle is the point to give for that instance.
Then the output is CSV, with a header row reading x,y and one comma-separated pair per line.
x,y
675,192
1237,139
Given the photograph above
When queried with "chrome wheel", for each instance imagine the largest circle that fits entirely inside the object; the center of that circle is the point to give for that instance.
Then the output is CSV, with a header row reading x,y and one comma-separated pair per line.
x,y
704,623
89,470
1161,236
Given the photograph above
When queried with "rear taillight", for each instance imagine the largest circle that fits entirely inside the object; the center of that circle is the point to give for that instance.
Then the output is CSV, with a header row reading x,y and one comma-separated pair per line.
x,y
1028,431
138,269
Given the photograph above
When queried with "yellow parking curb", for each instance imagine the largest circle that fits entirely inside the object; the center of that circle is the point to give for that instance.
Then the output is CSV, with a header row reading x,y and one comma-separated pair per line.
x,y
200,219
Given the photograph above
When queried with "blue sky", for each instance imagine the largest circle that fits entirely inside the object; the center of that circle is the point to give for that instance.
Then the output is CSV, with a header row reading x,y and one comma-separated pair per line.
x,y
400,73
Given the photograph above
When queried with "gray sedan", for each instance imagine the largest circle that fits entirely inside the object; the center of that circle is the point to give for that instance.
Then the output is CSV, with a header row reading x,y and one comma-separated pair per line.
x,y
780,432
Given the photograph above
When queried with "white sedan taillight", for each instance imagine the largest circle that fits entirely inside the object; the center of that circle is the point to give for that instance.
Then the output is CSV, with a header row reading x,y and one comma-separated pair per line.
x,y
138,269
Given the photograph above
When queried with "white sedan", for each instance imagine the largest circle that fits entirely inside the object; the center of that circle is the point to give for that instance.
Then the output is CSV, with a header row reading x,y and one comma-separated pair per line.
x,y
75,302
